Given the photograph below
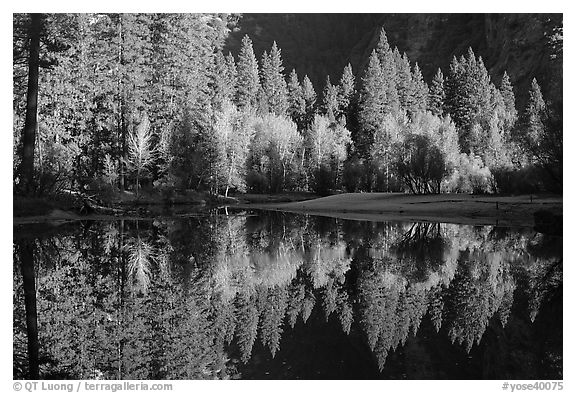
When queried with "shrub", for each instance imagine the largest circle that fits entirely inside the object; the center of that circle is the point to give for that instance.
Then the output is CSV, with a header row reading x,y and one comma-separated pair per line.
x,y
470,176
257,182
323,181
525,180
352,175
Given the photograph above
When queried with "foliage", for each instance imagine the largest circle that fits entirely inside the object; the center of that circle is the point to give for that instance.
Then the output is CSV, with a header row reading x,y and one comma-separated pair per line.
x,y
274,92
274,150
100,72
141,154
420,164
470,176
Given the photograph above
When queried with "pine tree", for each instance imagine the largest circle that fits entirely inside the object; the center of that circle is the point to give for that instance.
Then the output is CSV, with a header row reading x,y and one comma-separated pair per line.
x,y
274,89
534,116
391,102
330,100
437,96
263,104
453,92
232,74
134,45
468,95
346,93
248,79
419,92
296,102
382,46
222,81
26,169
507,92
372,98
309,95
405,85
182,62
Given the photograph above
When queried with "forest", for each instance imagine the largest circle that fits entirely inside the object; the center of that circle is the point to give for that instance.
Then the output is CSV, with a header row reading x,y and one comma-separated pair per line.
x,y
152,104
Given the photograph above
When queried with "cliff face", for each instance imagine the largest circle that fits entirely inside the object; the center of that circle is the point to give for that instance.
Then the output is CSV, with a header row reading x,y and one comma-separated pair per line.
x,y
322,44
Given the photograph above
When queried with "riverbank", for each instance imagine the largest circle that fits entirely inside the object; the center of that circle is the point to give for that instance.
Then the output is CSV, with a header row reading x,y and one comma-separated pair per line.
x,y
450,208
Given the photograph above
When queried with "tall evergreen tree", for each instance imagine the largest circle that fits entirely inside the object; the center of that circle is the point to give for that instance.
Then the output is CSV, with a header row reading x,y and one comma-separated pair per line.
x,y
468,94
309,95
222,81
404,82
296,102
372,103
330,100
29,132
391,102
274,90
507,92
348,100
534,116
419,92
248,79
346,92
437,96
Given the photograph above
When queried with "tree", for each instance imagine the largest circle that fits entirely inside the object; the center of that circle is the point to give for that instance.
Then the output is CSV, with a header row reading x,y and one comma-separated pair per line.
x,y
371,113
309,95
391,101
273,151
296,102
507,92
327,143
468,99
274,90
248,79
30,126
223,79
234,131
330,100
420,164
141,154
346,94
133,42
419,92
389,132
534,116
437,96
543,134
404,83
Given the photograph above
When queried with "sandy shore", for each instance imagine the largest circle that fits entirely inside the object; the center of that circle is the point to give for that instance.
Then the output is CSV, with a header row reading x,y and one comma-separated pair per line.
x,y
452,208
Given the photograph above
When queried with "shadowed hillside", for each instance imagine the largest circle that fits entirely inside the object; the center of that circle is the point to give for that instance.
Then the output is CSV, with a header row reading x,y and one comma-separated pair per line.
x,y
322,44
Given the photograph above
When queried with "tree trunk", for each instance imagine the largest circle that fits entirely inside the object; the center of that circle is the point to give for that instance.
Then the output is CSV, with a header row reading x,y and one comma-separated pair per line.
x,y
121,119
29,132
137,179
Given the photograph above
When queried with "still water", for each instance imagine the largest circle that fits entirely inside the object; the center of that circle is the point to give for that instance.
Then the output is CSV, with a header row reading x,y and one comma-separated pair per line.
x,y
269,295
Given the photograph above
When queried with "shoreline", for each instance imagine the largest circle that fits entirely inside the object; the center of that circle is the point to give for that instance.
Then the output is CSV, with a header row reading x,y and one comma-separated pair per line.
x,y
510,211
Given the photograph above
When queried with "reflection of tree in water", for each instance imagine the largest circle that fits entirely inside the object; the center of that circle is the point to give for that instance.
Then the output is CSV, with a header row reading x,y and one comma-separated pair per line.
x,y
178,299
482,286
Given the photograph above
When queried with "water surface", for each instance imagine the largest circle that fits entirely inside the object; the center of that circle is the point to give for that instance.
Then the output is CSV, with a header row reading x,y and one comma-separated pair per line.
x,y
284,296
